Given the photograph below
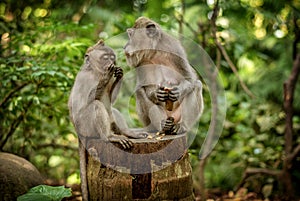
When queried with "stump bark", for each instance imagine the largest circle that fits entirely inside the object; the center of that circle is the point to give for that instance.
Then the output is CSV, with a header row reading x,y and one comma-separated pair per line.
x,y
153,169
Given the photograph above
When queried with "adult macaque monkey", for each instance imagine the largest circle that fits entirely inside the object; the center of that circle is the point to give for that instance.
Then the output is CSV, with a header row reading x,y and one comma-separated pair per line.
x,y
90,105
168,93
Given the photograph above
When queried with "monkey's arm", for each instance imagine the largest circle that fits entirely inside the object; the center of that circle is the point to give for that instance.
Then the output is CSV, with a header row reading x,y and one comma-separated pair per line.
x,y
102,125
119,126
150,92
114,91
103,82
178,93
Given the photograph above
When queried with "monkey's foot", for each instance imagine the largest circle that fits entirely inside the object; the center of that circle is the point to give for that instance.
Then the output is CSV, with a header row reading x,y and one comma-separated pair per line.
x,y
93,152
169,127
124,141
135,133
140,135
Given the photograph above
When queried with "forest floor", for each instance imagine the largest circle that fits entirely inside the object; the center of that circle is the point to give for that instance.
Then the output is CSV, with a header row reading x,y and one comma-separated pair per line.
x,y
212,195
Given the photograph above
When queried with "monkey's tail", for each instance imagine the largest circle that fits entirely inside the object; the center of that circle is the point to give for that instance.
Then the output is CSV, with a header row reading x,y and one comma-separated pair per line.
x,y
83,171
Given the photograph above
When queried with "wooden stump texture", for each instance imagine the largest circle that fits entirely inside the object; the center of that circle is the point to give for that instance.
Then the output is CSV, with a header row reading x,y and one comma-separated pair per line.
x,y
153,169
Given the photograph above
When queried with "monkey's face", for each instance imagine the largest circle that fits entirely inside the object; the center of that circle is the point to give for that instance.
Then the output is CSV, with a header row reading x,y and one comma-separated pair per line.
x,y
143,40
101,59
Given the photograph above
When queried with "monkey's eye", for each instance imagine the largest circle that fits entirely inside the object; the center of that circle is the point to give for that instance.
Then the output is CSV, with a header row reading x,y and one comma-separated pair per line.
x,y
112,57
105,57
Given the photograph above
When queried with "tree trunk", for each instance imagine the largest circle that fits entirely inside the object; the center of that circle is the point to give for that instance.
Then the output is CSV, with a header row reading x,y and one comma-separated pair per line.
x,y
151,170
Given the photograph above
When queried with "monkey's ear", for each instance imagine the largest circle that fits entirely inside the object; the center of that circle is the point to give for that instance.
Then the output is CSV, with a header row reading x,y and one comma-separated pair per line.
x,y
151,30
87,59
130,32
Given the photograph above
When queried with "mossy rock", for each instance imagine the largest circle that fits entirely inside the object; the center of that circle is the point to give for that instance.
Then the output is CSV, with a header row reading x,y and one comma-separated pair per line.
x,y
17,176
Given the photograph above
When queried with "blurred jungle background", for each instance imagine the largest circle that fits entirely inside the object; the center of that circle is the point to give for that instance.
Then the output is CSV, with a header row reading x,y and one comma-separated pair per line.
x,y
254,44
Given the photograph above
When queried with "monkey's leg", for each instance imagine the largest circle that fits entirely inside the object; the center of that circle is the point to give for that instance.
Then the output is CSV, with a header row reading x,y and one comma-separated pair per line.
x,y
85,128
149,108
102,124
149,111
157,115
191,108
189,95
114,91
121,127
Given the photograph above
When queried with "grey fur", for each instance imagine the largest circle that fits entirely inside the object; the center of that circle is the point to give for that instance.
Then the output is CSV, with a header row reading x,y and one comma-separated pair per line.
x,y
163,75
90,105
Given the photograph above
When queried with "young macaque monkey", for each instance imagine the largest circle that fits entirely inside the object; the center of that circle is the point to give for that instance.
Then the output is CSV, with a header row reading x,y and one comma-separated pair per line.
x,y
90,104
169,92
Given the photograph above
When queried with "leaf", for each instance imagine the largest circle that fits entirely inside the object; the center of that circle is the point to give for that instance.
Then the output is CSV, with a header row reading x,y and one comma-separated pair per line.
x,y
46,193
38,74
51,72
33,197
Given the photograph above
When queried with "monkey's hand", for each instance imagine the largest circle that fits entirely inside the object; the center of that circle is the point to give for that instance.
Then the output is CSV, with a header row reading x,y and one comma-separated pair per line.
x,y
124,141
118,73
93,152
169,127
106,75
165,93
111,69
162,94
174,94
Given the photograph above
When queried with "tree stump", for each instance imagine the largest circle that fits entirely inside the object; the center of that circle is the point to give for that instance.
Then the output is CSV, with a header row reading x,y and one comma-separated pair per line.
x,y
153,169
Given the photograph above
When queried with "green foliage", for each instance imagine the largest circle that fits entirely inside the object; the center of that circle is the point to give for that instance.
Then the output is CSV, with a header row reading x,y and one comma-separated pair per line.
x,y
42,48
46,193
37,71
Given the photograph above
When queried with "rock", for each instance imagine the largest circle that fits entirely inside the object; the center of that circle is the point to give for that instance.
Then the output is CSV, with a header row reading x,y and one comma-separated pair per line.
x,y
17,176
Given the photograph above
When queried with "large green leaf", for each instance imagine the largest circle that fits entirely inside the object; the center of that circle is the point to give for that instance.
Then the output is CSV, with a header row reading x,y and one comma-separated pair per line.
x,y
46,193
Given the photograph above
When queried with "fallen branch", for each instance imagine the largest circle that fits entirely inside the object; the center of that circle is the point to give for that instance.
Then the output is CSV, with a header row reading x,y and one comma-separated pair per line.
x,y
269,172
253,171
